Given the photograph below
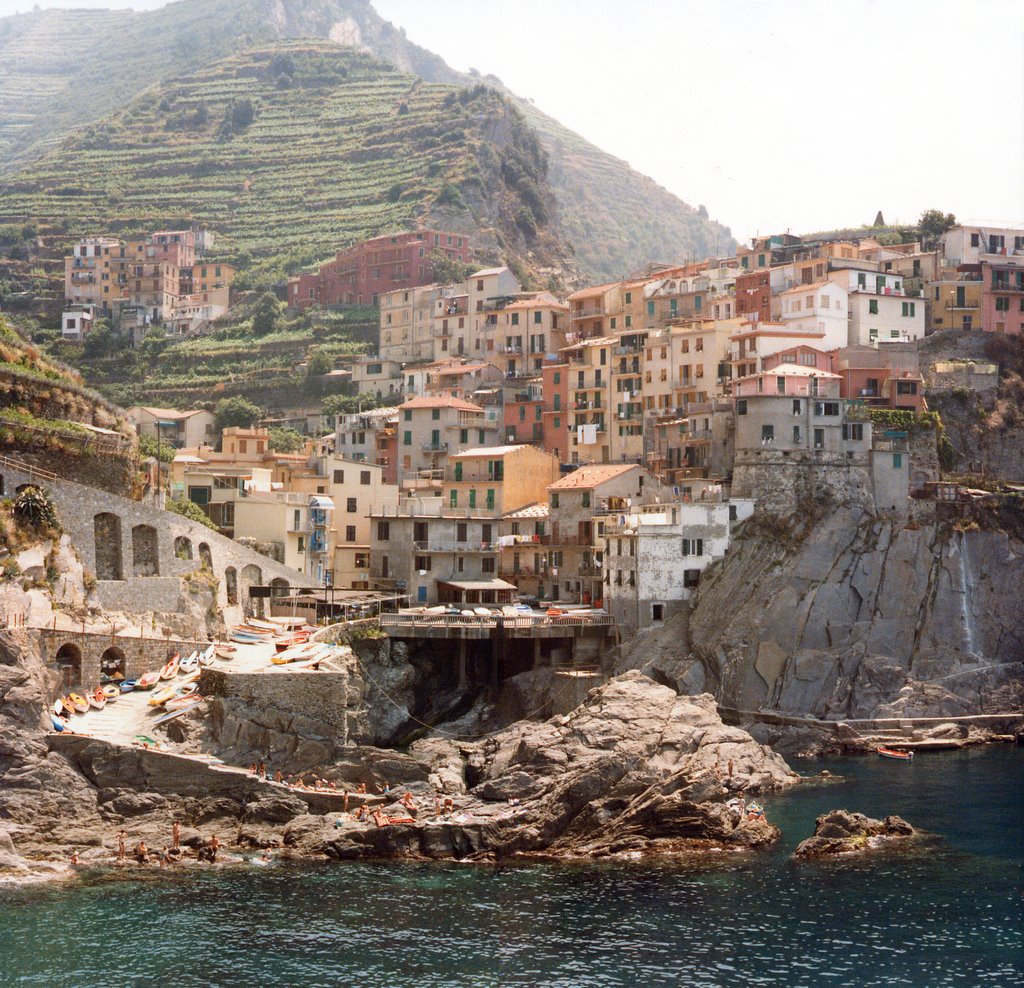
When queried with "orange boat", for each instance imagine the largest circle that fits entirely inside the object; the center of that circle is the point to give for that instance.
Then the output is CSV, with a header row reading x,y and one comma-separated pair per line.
x,y
170,670
901,756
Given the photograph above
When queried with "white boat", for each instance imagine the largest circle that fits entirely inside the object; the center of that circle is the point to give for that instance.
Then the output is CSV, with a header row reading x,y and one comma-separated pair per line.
x,y
182,702
191,663
207,657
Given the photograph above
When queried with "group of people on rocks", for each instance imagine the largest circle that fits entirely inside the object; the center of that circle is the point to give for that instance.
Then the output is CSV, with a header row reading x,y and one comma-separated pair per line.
x,y
142,854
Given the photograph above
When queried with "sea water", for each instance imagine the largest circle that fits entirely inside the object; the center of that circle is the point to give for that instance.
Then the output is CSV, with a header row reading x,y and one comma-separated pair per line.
x,y
949,916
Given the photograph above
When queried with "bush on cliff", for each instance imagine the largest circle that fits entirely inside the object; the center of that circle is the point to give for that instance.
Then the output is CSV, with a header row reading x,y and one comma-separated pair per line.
x,y
33,507
189,509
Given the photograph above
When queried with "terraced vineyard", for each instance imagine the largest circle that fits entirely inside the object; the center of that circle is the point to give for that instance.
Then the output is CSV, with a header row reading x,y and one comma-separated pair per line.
x,y
340,146
63,72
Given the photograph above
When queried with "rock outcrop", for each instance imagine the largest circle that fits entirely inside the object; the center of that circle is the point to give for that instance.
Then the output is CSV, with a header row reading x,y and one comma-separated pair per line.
x,y
843,832
854,616
636,768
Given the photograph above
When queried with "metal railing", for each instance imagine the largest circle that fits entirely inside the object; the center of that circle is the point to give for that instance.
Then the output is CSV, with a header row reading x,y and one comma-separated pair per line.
x,y
523,621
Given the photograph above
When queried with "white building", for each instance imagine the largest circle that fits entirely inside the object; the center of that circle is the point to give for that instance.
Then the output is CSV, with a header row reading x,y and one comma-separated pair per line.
x,y
967,243
76,321
819,308
880,309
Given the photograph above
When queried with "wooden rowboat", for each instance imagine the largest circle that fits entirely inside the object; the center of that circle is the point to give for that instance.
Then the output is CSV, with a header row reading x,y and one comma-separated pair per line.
x,y
148,681
191,663
170,670
80,703
111,692
181,702
901,756
225,651
286,643
161,696
128,685
181,711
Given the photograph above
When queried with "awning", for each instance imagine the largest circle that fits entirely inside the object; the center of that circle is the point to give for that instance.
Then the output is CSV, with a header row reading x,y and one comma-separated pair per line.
x,y
494,584
321,501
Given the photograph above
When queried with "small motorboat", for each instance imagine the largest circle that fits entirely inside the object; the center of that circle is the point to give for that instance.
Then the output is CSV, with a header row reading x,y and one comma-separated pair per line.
x,y
161,696
97,699
901,756
147,681
80,703
128,685
111,692
191,663
170,670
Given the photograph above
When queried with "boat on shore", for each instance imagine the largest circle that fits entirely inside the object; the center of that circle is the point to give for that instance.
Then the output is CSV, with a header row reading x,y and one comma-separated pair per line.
x,y
128,685
161,696
170,670
191,662
111,691
80,703
894,753
224,651
147,681
97,699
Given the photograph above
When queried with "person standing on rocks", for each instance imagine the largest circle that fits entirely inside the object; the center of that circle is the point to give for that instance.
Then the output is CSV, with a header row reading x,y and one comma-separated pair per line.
x,y
175,834
122,836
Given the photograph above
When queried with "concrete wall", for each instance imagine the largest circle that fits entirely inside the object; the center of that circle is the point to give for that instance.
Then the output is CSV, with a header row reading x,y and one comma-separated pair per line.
x,y
781,480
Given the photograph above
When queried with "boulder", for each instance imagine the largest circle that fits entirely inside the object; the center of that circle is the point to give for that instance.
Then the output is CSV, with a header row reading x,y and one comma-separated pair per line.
x,y
843,832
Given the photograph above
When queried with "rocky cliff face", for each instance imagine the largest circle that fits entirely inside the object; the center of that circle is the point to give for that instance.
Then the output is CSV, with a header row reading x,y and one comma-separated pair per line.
x,y
858,617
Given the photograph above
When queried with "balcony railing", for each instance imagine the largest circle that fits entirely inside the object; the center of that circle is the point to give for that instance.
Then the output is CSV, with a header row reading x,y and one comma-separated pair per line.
x,y
432,545
588,312
434,447
407,620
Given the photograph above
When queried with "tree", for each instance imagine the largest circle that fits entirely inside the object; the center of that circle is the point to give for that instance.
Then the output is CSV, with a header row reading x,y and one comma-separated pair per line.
x,y
100,341
447,270
318,364
242,114
934,223
162,451
189,509
266,314
286,440
153,345
236,411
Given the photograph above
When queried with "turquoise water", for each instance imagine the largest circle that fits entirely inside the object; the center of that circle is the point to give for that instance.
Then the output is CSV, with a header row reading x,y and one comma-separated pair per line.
x,y
951,917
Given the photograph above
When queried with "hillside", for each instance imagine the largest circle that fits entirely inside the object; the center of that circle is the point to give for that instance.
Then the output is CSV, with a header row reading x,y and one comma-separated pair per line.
x,y
290,149
616,219
49,419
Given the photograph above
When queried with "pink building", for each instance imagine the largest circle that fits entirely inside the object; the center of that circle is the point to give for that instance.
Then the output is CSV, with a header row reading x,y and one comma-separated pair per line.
x,y
1002,295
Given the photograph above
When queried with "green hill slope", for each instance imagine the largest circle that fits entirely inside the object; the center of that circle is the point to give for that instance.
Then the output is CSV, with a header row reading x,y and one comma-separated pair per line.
x,y
291,149
616,218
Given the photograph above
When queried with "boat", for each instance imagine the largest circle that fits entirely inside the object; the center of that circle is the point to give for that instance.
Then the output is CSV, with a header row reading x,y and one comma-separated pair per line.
x,y
170,670
182,702
308,650
181,711
286,643
902,756
207,656
225,651
111,692
147,681
58,724
128,685
97,699
161,696
67,706
80,703
191,663
58,706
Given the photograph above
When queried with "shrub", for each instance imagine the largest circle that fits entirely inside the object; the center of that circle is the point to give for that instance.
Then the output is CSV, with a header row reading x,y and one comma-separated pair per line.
x,y
236,411
189,509
286,441
34,507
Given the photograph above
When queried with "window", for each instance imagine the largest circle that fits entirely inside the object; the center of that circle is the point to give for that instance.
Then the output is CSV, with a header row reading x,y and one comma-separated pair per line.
x,y
301,544
897,461
908,308
463,437
554,500
485,534
472,497
819,438
350,533
350,505
975,241
741,406
383,531
515,318
780,384
423,563
458,471
490,498
362,560
556,377
407,415
435,413
487,564
826,408
796,406
862,280
854,431
364,477
650,309
1002,303
693,547
629,295
537,320
296,520
767,433
796,434
339,476
453,498
873,306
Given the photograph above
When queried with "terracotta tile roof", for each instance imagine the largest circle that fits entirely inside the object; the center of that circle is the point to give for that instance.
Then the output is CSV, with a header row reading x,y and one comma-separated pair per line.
x,y
491,451
440,401
541,299
591,475
806,288
593,290
538,509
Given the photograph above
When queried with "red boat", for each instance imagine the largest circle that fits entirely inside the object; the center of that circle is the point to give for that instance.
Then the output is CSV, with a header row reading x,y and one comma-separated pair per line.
x,y
901,756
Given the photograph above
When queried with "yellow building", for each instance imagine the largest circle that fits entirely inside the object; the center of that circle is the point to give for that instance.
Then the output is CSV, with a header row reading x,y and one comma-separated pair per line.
x,y
495,480
953,305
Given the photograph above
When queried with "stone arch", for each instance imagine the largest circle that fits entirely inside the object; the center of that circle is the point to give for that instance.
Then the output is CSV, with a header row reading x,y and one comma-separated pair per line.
x,y
279,586
69,663
251,577
183,547
106,533
145,551
205,555
231,584
113,663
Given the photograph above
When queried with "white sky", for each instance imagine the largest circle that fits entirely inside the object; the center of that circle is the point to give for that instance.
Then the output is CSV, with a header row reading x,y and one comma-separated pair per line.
x,y
775,114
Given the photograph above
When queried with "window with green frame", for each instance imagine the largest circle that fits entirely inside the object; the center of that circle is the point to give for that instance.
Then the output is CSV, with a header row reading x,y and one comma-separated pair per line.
x,y
407,438
472,497
458,470
490,498
453,499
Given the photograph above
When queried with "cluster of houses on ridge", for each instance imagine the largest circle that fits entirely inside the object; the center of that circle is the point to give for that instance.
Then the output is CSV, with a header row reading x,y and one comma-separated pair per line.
x,y
594,451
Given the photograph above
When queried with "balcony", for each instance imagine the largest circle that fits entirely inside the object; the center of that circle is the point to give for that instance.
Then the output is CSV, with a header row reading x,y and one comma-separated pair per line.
x,y
1007,286
434,447
432,545
588,312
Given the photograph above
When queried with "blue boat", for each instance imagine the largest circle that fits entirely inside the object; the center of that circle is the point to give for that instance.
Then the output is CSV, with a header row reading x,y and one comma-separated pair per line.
x,y
128,685
58,724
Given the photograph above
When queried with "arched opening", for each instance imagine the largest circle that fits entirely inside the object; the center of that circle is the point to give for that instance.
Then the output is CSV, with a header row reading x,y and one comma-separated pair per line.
x,y
231,584
106,532
205,556
113,663
279,587
145,551
182,547
69,664
251,577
